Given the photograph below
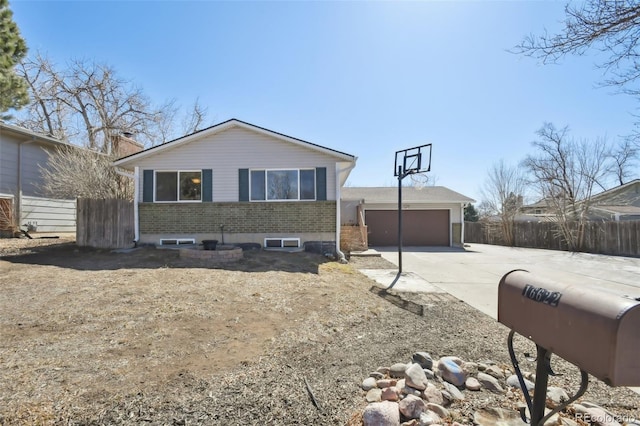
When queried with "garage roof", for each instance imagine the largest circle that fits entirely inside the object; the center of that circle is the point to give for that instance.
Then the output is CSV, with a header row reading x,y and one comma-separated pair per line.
x,y
389,194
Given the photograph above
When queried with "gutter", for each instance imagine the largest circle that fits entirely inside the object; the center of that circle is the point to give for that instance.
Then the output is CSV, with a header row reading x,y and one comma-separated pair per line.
x,y
18,208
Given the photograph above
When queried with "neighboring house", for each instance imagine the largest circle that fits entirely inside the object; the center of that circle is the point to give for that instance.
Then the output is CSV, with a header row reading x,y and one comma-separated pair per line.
x,y
22,154
238,183
617,204
540,211
432,215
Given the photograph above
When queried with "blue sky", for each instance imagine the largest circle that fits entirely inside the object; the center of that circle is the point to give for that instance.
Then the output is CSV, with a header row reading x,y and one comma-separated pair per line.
x,y
367,78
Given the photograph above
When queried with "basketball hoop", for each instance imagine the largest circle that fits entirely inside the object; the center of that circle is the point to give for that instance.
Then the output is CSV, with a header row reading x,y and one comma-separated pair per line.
x,y
412,160
408,162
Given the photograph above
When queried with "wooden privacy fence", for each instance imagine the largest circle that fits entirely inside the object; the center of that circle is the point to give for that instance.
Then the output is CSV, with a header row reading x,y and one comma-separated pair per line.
x,y
614,238
107,224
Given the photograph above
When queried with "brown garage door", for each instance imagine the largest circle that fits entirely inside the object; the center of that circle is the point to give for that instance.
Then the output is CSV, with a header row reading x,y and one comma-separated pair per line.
x,y
419,227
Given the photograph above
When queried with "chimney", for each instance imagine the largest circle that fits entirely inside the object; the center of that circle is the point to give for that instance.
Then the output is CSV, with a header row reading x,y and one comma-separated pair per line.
x,y
124,145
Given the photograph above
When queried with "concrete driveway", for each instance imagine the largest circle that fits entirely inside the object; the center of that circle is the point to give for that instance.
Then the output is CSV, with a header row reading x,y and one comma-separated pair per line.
x,y
472,274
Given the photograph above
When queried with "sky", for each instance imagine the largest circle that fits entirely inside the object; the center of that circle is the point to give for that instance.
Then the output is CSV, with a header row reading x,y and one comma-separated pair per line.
x,y
362,77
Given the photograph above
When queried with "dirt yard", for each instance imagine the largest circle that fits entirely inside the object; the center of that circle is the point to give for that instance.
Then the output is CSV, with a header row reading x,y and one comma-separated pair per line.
x,y
94,337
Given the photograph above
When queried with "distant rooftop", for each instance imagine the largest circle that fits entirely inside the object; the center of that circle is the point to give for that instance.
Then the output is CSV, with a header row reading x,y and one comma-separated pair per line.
x,y
385,194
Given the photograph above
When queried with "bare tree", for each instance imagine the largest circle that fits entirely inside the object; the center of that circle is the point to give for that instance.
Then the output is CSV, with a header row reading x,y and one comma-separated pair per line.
x,y
566,172
195,118
87,104
624,159
612,27
77,172
503,194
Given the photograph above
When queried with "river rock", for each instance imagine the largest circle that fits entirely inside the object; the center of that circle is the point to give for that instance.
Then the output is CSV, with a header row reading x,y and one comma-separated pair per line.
x,y
472,384
453,391
415,377
557,395
451,372
497,417
374,395
412,406
423,359
429,418
490,383
495,371
514,382
368,383
385,383
432,394
438,409
390,394
397,370
381,414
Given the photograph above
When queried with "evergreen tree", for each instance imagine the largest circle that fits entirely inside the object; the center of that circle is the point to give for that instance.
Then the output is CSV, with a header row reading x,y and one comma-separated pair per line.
x,y
13,89
471,214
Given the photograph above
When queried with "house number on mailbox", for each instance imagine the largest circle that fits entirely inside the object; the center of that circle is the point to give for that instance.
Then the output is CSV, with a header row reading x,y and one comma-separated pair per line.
x,y
541,295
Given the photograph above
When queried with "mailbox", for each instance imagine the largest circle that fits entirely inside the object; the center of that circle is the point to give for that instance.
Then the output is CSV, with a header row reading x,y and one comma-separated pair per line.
x,y
595,330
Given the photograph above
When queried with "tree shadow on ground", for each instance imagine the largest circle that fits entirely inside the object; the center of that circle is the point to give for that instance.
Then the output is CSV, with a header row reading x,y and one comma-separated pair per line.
x,y
80,258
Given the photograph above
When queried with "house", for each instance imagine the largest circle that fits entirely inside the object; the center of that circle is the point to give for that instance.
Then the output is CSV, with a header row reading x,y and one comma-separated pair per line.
x,y
22,155
432,215
616,204
238,183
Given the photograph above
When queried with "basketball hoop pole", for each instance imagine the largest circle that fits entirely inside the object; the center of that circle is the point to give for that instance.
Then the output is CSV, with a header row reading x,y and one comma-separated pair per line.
x,y
407,162
401,176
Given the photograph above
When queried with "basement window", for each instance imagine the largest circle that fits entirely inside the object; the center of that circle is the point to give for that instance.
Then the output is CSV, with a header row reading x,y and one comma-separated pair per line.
x,y
177,241
281,242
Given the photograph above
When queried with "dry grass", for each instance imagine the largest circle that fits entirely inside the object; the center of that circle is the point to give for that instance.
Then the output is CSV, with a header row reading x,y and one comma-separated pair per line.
x,y
92,337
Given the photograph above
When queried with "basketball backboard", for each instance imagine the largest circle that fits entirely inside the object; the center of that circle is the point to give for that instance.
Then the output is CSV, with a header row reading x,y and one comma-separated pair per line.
x,y
413,160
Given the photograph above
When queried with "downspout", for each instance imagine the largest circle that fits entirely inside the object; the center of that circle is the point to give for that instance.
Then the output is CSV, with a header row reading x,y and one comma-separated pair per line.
x,y
19,194
136,199
341,257
135,177
462,206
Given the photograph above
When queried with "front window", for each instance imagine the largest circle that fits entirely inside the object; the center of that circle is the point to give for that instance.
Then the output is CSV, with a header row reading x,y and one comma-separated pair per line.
x,y
280,185
178,186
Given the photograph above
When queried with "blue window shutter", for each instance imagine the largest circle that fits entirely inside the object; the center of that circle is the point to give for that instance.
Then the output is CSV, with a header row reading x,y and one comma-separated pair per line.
x,y
147,186
321,183
243,181
207,185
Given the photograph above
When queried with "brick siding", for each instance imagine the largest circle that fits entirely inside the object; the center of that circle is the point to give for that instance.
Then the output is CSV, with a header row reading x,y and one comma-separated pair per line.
x,y
282,217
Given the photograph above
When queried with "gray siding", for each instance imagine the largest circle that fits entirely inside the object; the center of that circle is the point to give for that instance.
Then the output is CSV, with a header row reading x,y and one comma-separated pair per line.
x,y
8,164
34,155
234,149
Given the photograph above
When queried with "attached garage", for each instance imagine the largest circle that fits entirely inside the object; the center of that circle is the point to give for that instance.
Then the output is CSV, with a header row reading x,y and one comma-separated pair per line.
x,y
419,227
431,216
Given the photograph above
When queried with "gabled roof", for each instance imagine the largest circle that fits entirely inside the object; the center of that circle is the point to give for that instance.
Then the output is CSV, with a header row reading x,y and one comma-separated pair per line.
x,y
605,197
389,194
27,134
226,125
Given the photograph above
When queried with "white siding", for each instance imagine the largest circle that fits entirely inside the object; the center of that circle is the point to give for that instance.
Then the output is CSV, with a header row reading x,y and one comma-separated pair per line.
x,y
49,215
234,149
